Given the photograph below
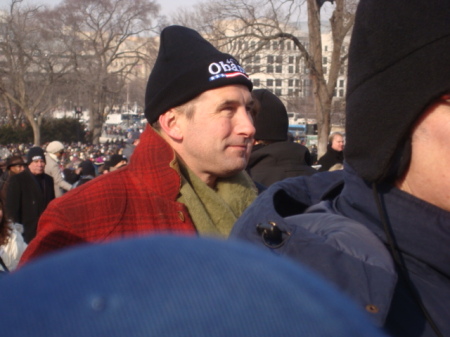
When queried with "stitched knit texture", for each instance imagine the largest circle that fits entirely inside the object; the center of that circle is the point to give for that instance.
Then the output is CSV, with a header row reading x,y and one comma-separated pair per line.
x,y
186,66
398,64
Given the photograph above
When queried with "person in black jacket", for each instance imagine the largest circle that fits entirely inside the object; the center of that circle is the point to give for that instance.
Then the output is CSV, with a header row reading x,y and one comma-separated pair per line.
x,y
273,157
29,193
335,152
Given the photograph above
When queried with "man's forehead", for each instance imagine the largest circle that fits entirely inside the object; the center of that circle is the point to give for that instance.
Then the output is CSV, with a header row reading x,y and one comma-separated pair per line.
x,y
228,93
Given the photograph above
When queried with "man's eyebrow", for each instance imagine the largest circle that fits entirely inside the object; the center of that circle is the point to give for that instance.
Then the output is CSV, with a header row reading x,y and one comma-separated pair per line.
x,y
235,102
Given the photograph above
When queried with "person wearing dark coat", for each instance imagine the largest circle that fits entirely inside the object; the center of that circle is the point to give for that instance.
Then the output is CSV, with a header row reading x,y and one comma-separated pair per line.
x,y
273,157
87,172
334,154
14,165
29,193
379,228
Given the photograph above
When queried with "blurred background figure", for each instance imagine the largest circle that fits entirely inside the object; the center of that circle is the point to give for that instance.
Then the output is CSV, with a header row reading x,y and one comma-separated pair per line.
x,y
14,165
54,167
132,142
335,152
117,161
29,193
273,157
12,244
87,173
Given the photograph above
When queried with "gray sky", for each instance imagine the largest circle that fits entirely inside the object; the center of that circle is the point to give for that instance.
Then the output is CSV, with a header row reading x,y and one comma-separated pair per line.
x,y
167,6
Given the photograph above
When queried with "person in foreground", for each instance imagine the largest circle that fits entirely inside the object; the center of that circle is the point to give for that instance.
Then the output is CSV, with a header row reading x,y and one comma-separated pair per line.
x,y
187,173
174,286
380,228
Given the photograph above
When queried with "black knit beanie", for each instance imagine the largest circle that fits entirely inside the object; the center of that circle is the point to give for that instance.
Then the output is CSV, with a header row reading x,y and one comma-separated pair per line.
x,y
399,63
35,153
187,65
271,122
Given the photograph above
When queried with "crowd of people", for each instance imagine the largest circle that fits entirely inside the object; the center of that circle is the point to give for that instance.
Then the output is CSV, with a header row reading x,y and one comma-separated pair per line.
x,y
215,180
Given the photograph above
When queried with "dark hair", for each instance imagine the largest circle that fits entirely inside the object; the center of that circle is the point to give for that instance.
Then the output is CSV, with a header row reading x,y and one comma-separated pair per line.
x,y
5,231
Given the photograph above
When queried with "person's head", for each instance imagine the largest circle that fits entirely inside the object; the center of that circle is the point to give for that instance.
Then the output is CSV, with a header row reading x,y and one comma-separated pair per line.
x,y
271,120
15,164
117,161
199,99
56,148
36,160
398,72
87,168
336,141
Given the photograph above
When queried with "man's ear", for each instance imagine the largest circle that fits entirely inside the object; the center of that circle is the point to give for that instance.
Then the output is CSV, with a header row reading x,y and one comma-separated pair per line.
x,y
170,124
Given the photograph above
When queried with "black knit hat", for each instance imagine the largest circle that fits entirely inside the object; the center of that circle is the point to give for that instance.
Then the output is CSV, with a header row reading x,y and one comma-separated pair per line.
x,y
187,65
87,168
35,153
116,159
271,122
399,62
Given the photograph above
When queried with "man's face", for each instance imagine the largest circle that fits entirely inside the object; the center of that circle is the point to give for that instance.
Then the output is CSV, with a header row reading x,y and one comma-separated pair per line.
x,y
37,166
217,140
428,177
338,143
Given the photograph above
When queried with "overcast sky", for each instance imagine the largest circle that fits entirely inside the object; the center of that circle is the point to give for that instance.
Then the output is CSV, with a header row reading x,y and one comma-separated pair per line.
x,y
167,6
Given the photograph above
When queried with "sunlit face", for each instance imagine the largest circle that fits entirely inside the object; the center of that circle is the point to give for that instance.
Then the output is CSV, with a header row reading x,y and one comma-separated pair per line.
x,y
428,176
37,166
338,143
217,140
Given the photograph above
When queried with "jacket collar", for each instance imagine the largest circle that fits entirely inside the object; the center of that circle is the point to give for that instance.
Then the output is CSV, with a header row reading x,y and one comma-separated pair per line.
x,y
421,230
153,165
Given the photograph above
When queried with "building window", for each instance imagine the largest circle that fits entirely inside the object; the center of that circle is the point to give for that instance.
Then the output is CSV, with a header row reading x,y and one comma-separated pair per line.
x,y
278,82
279,59
269,83
270,59
341,93
324,60
288,45
291,69
277,92
290,83
341,83
291,59
256,82
257,59
279,69
269,69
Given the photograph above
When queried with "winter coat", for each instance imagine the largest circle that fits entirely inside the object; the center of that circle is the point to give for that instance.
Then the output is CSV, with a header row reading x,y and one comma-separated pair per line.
x,y
330,158
52,169
137,199
277,161
331,223
27,200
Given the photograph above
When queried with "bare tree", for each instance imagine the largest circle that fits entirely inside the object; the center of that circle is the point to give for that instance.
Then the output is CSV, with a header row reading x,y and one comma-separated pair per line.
x,y
230,21
107,40
31,66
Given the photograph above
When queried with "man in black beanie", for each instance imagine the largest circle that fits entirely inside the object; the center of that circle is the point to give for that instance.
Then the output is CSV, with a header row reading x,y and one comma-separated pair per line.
x,y
29,193
380,228
273,157
187,175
